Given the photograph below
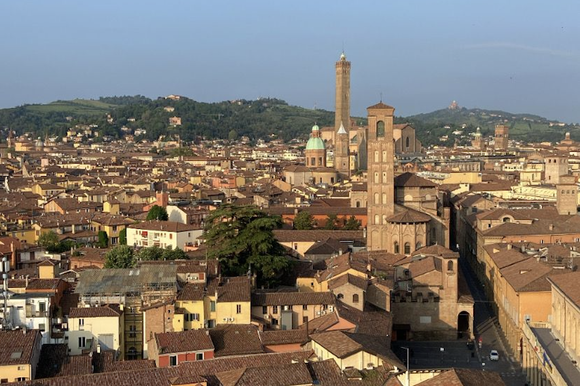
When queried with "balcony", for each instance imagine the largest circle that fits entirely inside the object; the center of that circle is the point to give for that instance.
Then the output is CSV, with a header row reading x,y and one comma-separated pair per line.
x,y
36,314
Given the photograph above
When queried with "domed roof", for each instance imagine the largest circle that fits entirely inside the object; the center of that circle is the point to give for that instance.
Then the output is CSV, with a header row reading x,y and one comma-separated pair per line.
x,y
478,132
315,143
315,128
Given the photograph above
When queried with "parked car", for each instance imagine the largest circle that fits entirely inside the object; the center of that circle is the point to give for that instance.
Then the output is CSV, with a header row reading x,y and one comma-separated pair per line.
x,y
493,355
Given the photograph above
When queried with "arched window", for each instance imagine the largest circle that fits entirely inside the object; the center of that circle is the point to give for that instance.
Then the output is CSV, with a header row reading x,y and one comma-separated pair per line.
x,y
380,129
376,177
377,219
384,177
355,298
340,296
396,247
357,204
407,142
506,219
450,265
407,248
384,198
384,156
376,156
377,198
418,245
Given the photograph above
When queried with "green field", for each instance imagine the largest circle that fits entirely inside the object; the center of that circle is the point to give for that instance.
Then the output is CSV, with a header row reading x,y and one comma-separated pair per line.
x,y
74,107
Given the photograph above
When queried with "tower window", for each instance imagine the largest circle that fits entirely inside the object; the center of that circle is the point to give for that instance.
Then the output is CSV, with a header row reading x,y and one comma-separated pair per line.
x,y
407,248
396,247
380,129
407,142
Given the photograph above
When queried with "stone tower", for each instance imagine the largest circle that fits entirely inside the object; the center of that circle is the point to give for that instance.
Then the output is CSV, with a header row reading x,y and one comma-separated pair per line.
x,y
477,141
567,195
554,167
315,152
341,153
501,138
342,102
380,182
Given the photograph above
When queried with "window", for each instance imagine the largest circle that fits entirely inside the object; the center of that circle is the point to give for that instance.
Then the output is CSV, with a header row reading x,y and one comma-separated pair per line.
x,y
173,360
396,247
42,327
407,142
264,310
407,248
238,308
274,309
42,306
384,198
81,322
384,156
355,298
377,219
376,156
377,199
376,178
199,356
384,177
132,331
305,319
21,379
82,342
450,266
212,306
274,322
380,129
305,307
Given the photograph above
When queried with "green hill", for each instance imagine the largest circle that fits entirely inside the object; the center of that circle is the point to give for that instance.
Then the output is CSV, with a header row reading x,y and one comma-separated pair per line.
x,y
525,127
262,118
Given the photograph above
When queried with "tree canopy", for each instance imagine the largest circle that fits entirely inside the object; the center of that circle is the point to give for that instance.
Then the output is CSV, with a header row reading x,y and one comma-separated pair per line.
x,y
352,224
120,257
156,253
304,221
49,241
157,213
240,236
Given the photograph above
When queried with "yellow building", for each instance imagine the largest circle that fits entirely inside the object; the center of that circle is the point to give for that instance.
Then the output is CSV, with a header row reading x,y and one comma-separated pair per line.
x,y
24,348
354,350
93,327
220,301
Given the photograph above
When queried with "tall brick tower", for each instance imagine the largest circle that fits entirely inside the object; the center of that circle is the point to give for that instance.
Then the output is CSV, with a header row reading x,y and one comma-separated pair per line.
x,y
342,102
501,138
342,117
380,181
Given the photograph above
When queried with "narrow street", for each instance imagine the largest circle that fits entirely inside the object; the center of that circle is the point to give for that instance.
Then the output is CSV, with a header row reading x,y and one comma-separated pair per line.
x,y
486,326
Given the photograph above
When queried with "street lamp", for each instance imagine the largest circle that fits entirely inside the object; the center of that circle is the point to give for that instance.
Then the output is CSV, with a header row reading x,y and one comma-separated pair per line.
x,y
408,366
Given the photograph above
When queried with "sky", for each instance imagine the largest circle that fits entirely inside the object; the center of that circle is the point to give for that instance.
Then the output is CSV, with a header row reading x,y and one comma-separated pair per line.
x,y
518,56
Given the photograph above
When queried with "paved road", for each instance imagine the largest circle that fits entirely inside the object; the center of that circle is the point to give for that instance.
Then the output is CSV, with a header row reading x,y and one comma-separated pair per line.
x,y
446,354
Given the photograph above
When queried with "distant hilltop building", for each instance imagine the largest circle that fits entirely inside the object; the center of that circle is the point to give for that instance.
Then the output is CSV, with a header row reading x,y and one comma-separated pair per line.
x,y
453,106
173,97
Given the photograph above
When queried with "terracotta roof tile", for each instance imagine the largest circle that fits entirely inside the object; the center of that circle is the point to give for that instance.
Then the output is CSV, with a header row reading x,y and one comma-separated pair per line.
x,y
184,341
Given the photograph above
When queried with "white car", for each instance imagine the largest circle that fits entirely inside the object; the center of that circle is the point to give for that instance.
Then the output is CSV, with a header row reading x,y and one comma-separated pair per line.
x,y
493,355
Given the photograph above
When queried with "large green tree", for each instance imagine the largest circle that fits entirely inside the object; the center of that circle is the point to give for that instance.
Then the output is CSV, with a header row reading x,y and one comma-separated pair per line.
x,y
157,213
352,224
304,221
240,236
121,256
331,222
49,241
103,239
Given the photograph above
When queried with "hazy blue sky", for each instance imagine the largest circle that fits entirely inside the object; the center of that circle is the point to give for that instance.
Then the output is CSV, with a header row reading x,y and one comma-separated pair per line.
x,y
513,55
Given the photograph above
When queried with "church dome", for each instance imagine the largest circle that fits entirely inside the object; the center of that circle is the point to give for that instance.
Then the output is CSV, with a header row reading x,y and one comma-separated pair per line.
x,y
315,128
315,143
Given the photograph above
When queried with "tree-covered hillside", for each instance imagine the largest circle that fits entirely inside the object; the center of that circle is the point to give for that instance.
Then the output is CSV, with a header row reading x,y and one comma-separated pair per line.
x,y
258,119
263,118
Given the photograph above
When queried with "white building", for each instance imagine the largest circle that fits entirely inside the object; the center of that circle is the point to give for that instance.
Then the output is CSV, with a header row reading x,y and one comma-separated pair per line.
x,y
162,234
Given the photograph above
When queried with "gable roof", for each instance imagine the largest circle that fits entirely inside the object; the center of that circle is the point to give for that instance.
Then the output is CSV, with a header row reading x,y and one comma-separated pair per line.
x,y
183,341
